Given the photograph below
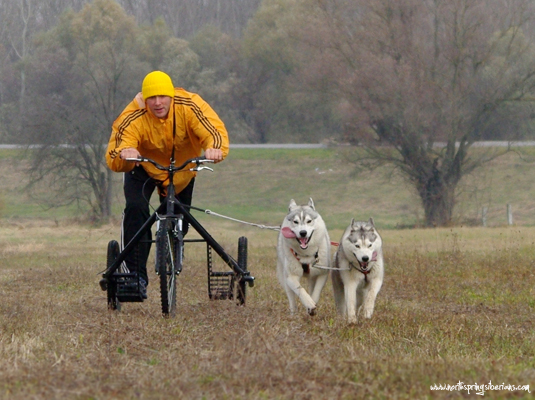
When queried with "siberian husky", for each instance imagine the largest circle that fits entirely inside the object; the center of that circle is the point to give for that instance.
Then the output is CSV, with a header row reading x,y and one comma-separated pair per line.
x,y
303,250
358,270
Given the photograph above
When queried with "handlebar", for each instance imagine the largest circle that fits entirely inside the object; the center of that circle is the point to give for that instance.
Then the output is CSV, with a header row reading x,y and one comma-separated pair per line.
x,y
198,161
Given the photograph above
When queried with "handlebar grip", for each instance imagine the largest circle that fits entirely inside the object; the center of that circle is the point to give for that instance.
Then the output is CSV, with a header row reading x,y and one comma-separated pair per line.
x,y
203,160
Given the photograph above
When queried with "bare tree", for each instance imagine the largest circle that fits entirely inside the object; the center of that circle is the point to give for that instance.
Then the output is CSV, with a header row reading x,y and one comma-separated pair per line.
x,y
269,96
83,73
420,81
19,21
185,17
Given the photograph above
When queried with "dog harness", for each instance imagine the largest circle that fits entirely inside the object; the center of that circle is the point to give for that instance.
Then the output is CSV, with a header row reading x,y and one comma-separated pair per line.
x,y
306,267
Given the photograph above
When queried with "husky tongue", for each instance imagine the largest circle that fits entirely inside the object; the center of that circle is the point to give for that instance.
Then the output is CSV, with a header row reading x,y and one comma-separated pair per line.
x,y
304,242
287,233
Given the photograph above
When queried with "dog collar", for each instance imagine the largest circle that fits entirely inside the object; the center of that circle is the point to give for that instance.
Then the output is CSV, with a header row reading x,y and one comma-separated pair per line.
x,y
306,267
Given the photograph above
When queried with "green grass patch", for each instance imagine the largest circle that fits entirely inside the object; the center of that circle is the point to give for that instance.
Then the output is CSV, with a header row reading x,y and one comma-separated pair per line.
x,y
257,185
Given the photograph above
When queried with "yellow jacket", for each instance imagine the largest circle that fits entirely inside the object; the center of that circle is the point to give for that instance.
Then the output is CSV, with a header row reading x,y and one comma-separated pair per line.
x,y
197,127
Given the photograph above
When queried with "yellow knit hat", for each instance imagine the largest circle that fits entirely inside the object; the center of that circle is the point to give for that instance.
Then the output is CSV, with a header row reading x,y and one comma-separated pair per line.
x,y
157,83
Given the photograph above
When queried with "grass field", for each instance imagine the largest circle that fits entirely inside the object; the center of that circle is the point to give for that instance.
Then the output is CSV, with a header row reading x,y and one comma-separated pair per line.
x,y
457,304
257,185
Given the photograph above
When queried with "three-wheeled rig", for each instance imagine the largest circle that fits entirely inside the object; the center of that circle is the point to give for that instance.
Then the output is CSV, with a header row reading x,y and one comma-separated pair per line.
x,y
123,285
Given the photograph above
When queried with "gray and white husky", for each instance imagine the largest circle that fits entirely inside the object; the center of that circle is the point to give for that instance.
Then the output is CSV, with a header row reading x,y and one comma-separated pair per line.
x,y
358,270
303,250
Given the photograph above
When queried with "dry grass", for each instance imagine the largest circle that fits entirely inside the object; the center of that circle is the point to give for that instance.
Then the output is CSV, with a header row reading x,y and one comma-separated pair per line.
x,y
456,305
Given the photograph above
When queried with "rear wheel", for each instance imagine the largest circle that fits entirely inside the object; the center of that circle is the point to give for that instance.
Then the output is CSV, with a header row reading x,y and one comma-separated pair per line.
x,y
168,264
112,254
242,263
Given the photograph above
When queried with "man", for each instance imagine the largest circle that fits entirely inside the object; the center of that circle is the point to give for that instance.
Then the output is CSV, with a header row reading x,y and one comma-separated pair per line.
x,y
159,119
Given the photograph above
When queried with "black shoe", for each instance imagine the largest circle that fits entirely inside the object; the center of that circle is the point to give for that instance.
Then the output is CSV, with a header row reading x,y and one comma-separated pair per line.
x,y
143,288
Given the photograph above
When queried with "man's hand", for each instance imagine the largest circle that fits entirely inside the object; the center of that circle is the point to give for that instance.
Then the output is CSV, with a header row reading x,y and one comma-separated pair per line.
x,y
214,154
130,153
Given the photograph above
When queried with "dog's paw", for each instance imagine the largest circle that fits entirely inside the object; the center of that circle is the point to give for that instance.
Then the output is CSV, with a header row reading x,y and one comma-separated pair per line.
x,y
352,319
311,311
368,313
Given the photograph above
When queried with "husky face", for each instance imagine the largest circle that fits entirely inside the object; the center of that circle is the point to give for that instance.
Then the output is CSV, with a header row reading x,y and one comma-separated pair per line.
x,y
302,220
364,241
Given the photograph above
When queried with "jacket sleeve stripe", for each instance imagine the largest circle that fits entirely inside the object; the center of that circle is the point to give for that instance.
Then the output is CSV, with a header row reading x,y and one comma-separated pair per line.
x,y
113,154
127,121
202,119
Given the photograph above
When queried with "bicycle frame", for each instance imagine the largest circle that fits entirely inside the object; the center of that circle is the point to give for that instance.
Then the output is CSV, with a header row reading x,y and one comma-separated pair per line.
x,y
170,206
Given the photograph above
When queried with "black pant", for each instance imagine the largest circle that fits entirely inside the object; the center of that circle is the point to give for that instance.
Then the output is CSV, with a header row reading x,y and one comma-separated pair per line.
x,y
138,189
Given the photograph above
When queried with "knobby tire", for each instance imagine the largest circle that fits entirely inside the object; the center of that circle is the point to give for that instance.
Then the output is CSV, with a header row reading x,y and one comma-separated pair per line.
x,y
112,254
242,263
167,265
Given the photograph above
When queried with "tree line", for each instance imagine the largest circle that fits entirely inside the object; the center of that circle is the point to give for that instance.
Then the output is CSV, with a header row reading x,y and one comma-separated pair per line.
x,y
393,77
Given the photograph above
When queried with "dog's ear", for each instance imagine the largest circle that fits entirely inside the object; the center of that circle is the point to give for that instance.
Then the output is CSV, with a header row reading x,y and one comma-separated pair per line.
x,y
292,205
352,224
311,203
370,221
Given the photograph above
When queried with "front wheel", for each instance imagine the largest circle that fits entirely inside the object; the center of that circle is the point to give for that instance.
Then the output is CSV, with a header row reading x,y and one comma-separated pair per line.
x,y
168,263
242,263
